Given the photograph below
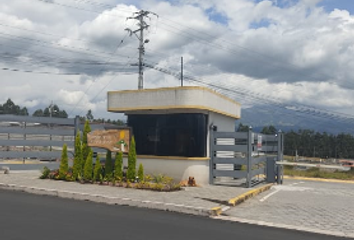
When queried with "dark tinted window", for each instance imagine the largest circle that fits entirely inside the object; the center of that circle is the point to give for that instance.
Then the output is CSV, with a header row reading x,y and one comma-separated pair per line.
x,y
170,134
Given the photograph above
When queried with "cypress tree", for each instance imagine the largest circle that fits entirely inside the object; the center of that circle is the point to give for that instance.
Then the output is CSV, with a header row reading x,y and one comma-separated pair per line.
x,y
131,172
88,167
118,166
77,166
98,169
141,173
63,169
108,164
85,147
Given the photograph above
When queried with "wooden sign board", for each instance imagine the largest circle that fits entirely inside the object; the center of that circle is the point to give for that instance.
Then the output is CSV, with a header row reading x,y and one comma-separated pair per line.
x,y
115,140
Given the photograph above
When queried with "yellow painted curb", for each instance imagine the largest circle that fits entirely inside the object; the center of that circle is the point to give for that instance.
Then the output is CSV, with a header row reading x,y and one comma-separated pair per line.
x,y
320,179
216,211
243,197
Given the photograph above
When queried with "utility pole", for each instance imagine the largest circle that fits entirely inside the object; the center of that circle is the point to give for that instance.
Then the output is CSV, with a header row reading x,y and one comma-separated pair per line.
x,y
142,26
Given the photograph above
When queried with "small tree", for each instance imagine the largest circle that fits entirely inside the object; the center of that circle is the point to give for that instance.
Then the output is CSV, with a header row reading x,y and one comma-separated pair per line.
x,y
108,165
118,165
88,167
141,172
98,170
63,169
89,115
131,172
85,147
77,166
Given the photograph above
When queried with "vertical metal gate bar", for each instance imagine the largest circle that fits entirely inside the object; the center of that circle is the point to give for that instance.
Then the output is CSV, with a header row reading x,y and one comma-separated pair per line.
x,y
211,156
249,158
279,156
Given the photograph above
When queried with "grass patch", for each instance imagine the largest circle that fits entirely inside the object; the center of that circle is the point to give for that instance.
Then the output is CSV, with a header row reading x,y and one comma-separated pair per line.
x,y
317,173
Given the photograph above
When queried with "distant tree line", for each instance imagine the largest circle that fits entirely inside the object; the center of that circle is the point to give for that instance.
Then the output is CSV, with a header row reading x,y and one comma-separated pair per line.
x,y
9,107
314,144
89,116
309,143
50,111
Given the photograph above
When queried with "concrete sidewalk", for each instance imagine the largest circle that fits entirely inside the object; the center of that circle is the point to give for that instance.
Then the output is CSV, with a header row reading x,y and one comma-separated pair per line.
x,y
206,200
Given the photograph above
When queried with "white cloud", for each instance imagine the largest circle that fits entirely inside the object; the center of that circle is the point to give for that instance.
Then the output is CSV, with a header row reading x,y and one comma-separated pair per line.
x,y
297,54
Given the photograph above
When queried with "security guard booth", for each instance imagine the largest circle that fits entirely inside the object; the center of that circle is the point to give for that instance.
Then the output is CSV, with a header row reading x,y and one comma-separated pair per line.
x,y
171,127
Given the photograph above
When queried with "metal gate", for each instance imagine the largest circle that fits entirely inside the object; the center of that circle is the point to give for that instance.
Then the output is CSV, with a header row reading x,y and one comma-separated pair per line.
x,y
24,137
245,155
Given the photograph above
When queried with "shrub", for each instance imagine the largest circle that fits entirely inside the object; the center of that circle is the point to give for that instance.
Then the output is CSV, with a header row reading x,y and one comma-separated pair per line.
x,y
108,179
69,176
141,173
158,187
63,169
45,173
54,174
118,166
131,172
77,166
108,165
160,178
98,170
88,167
148,178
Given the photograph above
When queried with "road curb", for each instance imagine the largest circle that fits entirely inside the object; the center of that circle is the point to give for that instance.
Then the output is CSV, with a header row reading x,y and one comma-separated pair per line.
x,y
217,211
121,201
319,179
254,192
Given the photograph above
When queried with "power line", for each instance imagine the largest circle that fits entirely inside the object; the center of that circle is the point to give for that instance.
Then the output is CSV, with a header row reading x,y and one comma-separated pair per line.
x,y
262,95
44,33
56,45
109,82
297,108
207,41
29,71
78,8
109,59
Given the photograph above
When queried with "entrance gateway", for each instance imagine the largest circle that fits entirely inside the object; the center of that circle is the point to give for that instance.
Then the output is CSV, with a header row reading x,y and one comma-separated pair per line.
x,y
172,127
246,155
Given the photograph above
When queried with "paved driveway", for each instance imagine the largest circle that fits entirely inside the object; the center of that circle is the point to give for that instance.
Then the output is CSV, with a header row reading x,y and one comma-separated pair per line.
x,y
306,205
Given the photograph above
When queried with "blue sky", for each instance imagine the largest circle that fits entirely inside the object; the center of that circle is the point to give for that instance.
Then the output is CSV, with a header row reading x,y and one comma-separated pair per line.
x,y
216,16
328,5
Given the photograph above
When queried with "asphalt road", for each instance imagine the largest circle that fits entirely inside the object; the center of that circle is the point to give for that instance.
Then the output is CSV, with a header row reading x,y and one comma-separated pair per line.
x,y
25,216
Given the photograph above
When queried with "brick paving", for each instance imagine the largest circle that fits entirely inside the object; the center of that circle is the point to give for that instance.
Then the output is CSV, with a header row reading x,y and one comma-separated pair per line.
x,y
318,206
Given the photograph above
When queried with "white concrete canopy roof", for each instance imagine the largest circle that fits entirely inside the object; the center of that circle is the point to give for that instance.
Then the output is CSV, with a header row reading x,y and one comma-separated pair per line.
x,y
175,99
